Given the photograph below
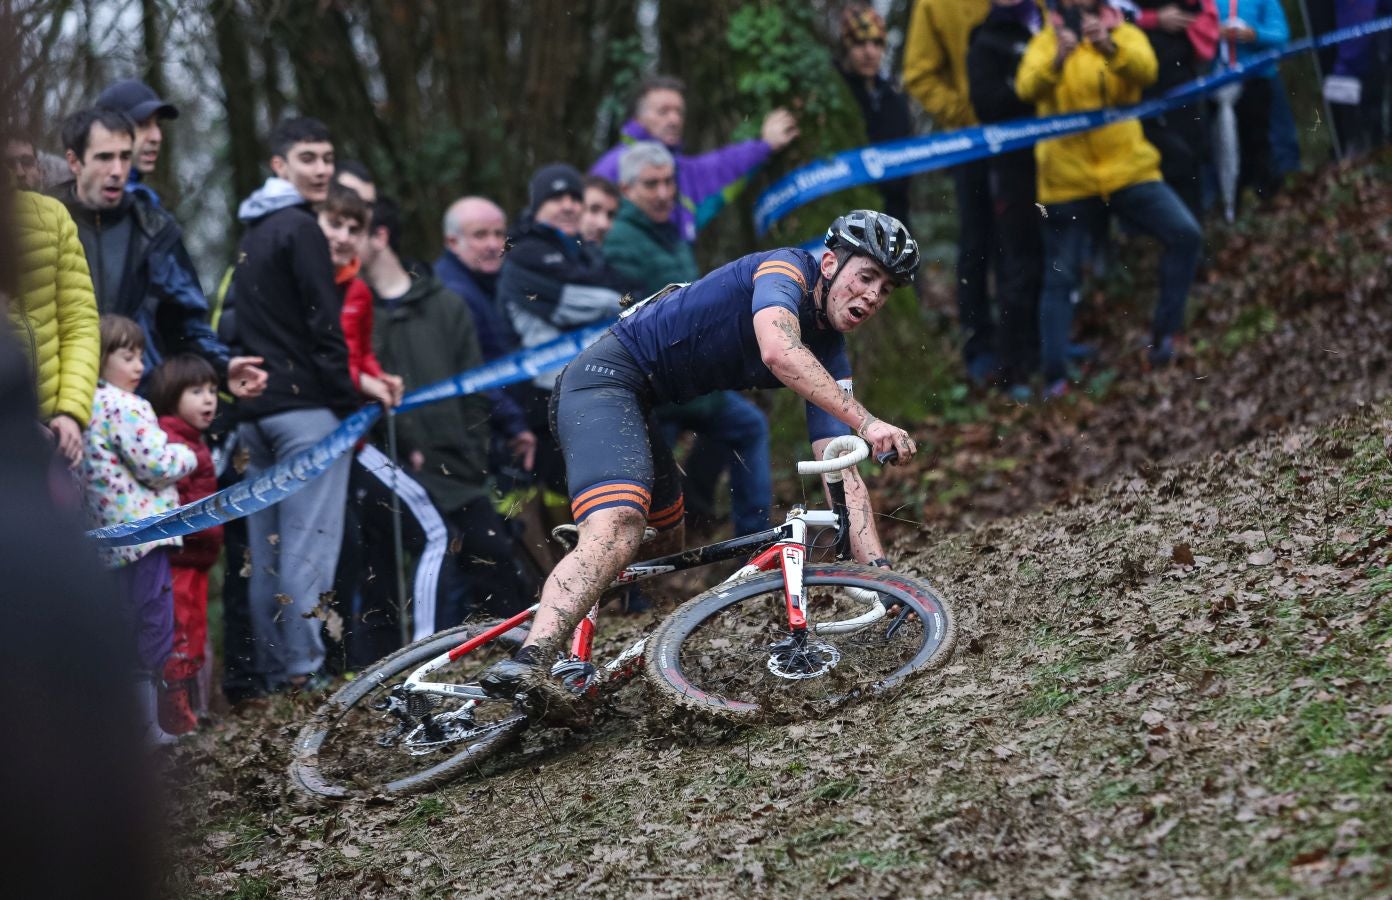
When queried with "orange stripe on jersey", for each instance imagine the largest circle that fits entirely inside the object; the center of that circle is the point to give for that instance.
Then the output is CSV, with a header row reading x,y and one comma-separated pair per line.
x,y
778,267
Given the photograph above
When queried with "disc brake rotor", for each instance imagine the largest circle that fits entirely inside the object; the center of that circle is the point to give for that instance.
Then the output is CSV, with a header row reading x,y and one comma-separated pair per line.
x,y
811,660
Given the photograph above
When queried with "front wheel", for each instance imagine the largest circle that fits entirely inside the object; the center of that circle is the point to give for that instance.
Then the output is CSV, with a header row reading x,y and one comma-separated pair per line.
x,y
729,652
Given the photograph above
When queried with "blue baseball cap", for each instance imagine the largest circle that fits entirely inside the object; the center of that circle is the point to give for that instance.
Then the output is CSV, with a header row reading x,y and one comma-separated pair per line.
x,y
137,100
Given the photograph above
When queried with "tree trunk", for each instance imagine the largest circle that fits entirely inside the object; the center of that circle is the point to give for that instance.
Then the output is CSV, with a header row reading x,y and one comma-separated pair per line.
x,y
152,43
239,92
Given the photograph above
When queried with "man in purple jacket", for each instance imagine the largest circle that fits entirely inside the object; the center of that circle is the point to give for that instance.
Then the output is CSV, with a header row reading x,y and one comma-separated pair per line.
x,y
707,182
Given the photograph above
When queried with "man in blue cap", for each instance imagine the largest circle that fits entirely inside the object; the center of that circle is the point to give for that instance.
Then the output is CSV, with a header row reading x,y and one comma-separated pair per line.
x,y
146,109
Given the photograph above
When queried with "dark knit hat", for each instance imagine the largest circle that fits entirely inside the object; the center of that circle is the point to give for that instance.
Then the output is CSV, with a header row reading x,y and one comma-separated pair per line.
x,y
555,179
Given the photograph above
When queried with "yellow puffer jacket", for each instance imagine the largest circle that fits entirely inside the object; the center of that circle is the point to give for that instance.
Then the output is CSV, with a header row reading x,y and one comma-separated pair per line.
x,y
55,314
935,58
1105,160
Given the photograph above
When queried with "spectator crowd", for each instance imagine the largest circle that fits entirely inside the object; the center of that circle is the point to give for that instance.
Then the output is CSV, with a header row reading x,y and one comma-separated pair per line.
x,y
156,394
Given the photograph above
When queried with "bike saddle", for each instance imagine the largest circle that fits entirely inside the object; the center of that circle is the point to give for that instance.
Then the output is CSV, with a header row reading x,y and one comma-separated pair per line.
x,y
569,535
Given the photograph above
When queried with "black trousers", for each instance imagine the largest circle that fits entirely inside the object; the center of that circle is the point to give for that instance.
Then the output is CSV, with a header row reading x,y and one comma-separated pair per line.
x,y
1181,136
1020,263
1254,137
974,244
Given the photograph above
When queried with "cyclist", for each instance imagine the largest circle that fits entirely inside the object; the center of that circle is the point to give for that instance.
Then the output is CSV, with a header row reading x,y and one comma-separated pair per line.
x,y
769,318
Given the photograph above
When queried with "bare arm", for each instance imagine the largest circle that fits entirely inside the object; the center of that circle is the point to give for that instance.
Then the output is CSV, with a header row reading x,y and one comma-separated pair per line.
x,y
865,538
780,344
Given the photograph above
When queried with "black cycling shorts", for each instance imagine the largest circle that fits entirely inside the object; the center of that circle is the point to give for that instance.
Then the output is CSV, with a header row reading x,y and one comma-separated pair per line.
x,y
601,415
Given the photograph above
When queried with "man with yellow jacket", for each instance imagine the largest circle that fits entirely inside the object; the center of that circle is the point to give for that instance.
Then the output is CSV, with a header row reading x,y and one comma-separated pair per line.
x,y
1106,62
54,316
935,74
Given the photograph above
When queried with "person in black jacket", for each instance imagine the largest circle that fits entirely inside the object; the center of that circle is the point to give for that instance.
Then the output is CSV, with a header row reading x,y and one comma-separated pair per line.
x,y
883,105
997,45
553,282
288,312
135,251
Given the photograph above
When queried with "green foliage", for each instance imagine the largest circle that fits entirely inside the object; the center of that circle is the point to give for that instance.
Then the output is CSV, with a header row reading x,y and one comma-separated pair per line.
x,y
780,60
785,58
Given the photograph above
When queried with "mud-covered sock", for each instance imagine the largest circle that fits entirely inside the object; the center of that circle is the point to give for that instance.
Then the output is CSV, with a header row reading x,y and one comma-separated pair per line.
x,y
528,656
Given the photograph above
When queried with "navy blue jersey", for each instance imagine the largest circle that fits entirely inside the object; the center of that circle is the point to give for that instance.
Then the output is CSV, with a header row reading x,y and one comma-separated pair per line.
x,y
700,338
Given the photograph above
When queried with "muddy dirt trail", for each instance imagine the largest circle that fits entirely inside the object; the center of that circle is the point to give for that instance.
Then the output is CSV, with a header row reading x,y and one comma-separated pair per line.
x,y
1174,676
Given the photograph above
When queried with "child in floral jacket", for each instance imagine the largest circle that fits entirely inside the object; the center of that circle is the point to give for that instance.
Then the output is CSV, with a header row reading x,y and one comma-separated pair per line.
x,y
130,468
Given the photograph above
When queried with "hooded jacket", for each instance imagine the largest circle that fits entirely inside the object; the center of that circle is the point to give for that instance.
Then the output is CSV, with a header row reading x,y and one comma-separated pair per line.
x,y
425,336
1105,160
55,312
288,307
650,254
200,550
935,58
705,183
552,283
140,270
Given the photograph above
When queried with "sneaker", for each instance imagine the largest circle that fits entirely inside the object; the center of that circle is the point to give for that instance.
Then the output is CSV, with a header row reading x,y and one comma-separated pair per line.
x,y
176,714
507,678
1170,348
1020,393
155,736
982,369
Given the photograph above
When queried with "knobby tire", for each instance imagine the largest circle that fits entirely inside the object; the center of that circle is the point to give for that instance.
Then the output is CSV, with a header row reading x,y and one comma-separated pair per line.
x,y
711,656
307,770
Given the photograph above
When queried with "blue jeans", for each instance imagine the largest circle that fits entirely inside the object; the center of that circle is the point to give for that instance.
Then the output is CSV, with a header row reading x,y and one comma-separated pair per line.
x,y
1150,207
294,545
740,431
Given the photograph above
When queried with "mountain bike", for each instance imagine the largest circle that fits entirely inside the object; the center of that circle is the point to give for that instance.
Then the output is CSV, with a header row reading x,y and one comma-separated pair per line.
x,y
780,636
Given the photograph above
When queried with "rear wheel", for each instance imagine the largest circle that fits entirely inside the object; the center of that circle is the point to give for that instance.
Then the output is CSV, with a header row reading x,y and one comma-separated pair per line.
x,y
729,652
373,737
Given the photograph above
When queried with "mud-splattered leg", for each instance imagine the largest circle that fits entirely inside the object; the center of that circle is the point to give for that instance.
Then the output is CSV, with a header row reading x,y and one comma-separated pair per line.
x,y
609,540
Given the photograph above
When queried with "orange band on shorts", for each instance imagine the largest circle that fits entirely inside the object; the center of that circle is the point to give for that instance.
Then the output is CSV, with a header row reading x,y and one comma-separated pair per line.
x,y
668,517
610,494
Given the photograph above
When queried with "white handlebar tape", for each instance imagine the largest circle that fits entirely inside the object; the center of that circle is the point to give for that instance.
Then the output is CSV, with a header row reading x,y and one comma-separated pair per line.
x,y
842,453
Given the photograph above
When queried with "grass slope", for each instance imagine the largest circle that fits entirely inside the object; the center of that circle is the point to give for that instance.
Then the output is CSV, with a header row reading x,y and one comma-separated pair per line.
x,y
1179,685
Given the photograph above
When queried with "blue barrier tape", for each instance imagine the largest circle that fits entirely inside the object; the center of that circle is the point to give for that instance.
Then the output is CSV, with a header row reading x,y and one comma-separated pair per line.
x,y
276,484
912,156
